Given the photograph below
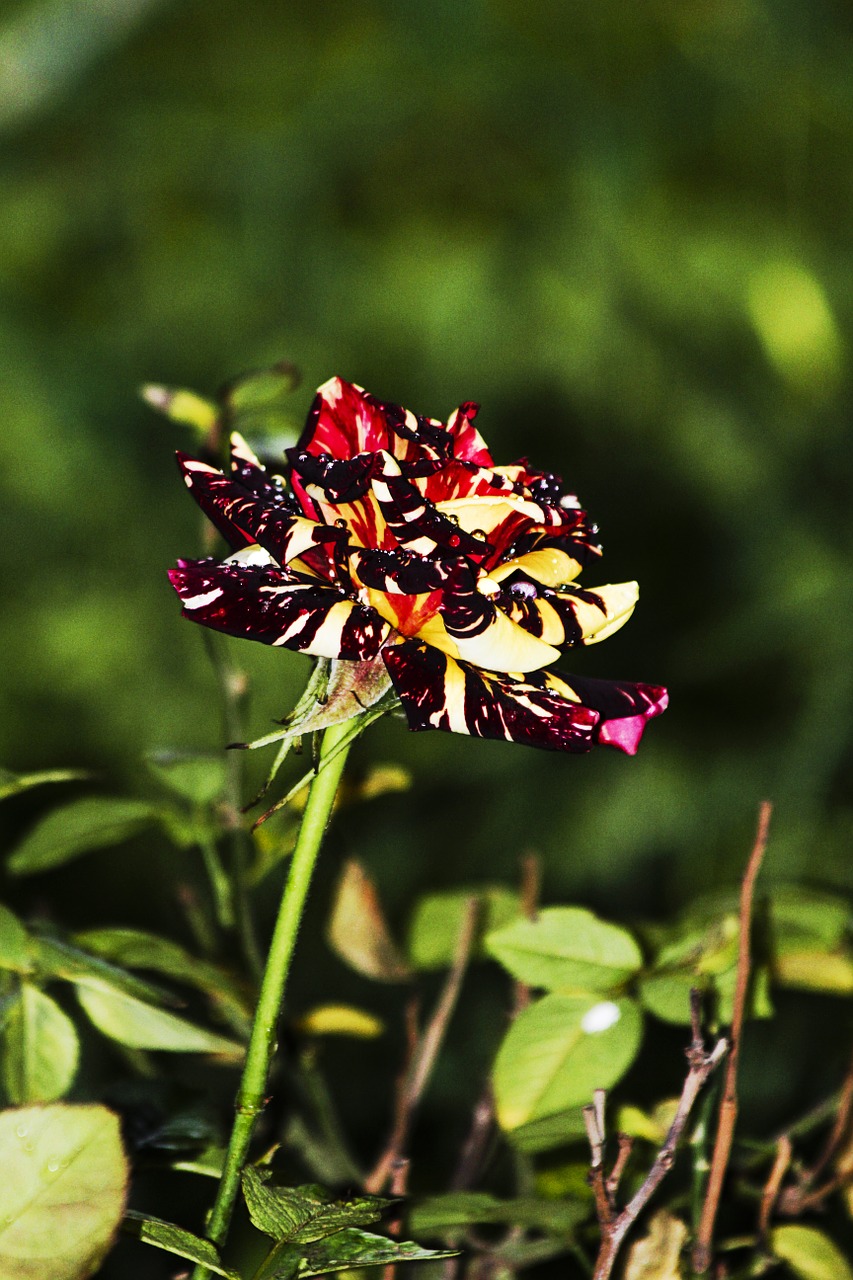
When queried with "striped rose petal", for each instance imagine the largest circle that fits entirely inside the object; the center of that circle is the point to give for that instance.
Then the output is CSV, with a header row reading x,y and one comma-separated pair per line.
x,y
276,608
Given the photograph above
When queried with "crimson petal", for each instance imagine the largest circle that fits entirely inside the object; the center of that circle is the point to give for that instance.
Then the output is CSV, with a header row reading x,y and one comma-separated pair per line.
x,y
437,692
244,519
278,608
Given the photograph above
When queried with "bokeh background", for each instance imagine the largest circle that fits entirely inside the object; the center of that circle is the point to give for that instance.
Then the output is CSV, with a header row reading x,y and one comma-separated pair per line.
x,y
624,229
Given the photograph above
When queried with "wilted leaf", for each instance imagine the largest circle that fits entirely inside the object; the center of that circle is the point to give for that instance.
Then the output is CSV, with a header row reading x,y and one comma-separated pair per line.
x,y
559,1050
12,784
358,932
172,1239
445,1214
439,917
340,1020
656,1257
39,1048
345,1249
566,948
15,950
809,1253
143,1026
62,1191
77,828
300,1215
200,778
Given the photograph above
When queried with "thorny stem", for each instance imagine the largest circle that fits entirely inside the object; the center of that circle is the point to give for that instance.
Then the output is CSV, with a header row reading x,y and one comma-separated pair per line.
x,y
728,1106
250,1096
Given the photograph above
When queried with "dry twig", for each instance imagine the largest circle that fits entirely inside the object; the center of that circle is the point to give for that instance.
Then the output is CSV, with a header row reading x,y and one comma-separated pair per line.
x,y
425,1052
728,1105
614,1226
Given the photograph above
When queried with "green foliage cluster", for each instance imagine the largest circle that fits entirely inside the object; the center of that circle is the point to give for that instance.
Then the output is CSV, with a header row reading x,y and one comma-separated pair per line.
x,y
585,1003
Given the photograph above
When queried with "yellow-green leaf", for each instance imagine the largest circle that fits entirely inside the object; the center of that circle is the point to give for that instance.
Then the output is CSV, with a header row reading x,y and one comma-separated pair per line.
x,y
809,1253
657,1255
143,1026
39,1048
559,1050
340,1020
566,948
62,1192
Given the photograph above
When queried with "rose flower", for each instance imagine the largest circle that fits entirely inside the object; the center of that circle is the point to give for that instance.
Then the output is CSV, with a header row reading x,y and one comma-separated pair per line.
x,y
399,541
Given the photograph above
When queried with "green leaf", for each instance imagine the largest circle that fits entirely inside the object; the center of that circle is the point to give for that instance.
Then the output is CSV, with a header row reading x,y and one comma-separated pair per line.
x,y
12,784
559,1050
142,1026
438,919
172,1239
200,778
260,388
809,1253
77,828
39,1048
442,1215
136,949
345,1249
667,995
566,948
63,1190
300,1215
60,959
551,1131
15,946
182,406
804,918
358,932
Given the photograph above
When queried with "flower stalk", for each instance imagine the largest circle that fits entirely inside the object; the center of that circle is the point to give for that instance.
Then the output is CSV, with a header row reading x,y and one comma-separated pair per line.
x,y
251,1094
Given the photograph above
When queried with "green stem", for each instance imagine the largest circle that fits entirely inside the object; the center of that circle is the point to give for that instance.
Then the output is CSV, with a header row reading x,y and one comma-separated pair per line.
x,y
252,1091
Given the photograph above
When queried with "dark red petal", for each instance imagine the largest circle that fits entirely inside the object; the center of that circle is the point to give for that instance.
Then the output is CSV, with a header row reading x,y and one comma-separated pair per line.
x,y
278,608
625,708
415,522
437,692
243,519
468,444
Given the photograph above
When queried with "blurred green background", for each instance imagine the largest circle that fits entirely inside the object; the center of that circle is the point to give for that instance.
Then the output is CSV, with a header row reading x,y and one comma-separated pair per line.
x,y
625,230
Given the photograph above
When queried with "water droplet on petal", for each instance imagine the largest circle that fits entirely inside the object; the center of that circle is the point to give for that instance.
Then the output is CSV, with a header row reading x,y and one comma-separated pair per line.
x,y
454,540
22,1131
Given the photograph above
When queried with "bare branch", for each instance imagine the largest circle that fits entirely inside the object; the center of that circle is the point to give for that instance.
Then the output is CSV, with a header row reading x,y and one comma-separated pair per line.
x,y
728,1105
424,1054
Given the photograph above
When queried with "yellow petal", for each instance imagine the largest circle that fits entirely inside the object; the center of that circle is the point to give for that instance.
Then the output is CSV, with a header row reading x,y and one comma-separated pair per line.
x,y
619,599
503,646
550,566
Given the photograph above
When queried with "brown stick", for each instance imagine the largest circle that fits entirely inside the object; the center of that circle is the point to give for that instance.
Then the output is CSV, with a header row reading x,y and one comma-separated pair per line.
x,y
770,1193
728,1105
425,1054
615,1228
